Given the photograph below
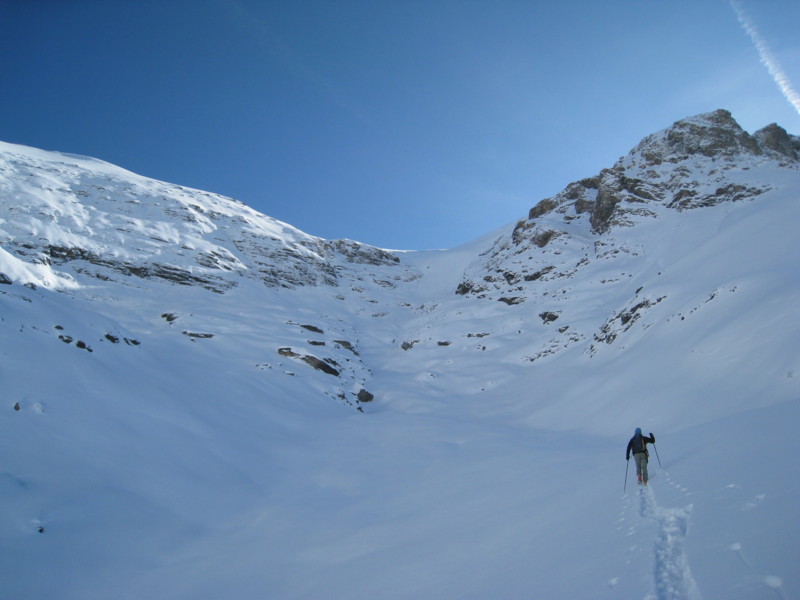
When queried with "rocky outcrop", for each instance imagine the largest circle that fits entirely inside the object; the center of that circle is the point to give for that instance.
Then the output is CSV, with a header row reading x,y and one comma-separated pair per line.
x,y
657,170
662,168
774,138
357,253
714,134
692,164
326,366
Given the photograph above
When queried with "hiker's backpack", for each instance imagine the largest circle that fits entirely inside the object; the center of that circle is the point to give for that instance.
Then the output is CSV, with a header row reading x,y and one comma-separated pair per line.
x,y
639,444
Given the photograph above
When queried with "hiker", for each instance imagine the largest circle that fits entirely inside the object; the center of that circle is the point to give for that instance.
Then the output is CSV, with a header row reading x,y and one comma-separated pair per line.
x,y
638,445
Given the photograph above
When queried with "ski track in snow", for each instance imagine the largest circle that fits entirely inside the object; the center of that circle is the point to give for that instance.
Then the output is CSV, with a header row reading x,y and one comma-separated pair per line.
x,y
673,577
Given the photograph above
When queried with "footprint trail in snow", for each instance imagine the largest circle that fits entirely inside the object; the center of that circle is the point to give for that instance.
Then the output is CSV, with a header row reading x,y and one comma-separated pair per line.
x,y
673,577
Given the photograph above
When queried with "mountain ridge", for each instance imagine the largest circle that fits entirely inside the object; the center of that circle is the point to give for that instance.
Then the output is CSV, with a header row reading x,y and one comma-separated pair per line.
x,y
71,223
264,245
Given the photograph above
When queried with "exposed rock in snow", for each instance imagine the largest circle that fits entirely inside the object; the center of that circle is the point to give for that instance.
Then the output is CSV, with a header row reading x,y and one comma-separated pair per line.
x,y
697,162
89,218
774,138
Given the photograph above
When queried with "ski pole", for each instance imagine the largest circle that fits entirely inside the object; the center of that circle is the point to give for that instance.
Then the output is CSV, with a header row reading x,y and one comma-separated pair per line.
x,y
625,487
657,456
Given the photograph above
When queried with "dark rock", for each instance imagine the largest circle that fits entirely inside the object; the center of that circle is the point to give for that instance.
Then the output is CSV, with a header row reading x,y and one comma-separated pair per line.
x,y
548,317
511,278
464,288
216,260
519,234
364,396
347,345
683,198
60,254
733,192
530,230
320,365
192,334
774,138
608,196
543,238
358,253
626,318
5,279
312,328
542,208
66,253
538,274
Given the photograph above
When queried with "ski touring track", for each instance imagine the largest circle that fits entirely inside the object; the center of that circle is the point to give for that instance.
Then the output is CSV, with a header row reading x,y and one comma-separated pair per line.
x,y
672,575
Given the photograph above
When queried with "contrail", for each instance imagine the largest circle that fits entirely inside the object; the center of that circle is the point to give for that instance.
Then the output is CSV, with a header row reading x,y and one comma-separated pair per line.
x,y
768,59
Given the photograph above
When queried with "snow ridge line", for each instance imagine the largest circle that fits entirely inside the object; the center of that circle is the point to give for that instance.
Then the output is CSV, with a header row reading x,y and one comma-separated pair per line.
x,y
673,577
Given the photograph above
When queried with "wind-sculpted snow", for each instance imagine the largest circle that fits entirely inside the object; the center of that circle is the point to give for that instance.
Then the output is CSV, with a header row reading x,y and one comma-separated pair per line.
x,y
89,218
203,402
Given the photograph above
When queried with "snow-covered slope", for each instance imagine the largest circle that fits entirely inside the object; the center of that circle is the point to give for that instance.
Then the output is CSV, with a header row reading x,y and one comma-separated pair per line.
x,y
203,402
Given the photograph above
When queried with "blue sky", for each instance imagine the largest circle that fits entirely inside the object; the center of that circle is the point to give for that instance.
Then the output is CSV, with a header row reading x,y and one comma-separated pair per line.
x,y
403,124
